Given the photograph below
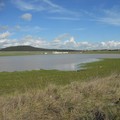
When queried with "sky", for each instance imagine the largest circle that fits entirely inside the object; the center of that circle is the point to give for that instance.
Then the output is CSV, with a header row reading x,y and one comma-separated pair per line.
x,y
63,24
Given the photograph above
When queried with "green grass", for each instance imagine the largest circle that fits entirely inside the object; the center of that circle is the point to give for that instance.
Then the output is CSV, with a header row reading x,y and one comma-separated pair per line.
x,y
20,53
88,94
98,99
102,52
11,82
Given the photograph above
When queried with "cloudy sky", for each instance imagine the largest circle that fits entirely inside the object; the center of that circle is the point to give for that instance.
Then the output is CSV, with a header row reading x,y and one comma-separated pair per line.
x,y
70,24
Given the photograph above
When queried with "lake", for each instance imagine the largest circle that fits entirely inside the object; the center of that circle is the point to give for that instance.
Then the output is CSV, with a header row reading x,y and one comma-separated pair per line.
x,y
49,62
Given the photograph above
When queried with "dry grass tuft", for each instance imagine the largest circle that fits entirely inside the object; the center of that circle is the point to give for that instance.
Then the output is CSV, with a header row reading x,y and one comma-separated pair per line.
x,y
97,99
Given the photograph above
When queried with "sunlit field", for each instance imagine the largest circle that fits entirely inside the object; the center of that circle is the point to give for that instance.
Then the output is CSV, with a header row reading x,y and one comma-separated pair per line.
x,y
91,93
11,82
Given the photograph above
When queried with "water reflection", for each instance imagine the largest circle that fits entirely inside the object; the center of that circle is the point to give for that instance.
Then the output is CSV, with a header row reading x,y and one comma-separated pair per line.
x,y
59,62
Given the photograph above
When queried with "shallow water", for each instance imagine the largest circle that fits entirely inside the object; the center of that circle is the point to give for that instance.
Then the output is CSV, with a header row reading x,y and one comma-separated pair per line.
x,y
49,62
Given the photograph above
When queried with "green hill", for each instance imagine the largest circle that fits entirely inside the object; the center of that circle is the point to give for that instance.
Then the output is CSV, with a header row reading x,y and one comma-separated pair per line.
x,y
22,48
31,48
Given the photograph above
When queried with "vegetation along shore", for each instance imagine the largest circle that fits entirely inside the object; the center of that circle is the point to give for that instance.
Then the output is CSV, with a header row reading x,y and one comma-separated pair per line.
x,y
88,94
29,50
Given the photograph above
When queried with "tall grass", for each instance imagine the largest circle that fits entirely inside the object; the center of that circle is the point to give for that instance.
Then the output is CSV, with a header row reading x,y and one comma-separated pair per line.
x,y
11,82
88,94
96,99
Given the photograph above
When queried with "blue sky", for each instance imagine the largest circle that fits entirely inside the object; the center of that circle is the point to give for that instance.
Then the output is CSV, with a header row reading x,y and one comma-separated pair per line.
x,y
70,24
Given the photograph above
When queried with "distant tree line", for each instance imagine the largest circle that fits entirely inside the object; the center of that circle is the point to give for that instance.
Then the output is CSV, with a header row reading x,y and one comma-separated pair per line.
x,y
31,48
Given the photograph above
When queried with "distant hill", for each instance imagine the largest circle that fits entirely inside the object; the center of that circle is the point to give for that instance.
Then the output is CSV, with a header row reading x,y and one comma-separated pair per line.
x,y
31,48
22,48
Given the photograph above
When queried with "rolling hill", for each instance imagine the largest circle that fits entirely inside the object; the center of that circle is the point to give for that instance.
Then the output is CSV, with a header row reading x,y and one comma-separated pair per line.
x,y
31,48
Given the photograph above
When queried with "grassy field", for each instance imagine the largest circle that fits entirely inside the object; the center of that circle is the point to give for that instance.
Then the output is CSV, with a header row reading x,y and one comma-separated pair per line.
x,y
102,52
19,53
11,82
89,94
98,99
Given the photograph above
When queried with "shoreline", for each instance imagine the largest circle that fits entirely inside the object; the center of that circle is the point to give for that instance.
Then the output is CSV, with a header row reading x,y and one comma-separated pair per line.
x,y
69,62
39,79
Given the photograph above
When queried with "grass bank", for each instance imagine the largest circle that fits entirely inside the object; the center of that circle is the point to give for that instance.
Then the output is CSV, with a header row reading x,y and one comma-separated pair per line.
x,y
89,94
22,53
97,99
102,52
11,82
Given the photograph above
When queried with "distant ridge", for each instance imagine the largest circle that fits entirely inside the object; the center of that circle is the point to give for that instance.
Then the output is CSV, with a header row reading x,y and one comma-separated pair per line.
x,y
31,48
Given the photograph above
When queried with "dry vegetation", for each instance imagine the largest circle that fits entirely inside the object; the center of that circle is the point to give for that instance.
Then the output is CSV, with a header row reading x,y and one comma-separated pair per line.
x,y
97,99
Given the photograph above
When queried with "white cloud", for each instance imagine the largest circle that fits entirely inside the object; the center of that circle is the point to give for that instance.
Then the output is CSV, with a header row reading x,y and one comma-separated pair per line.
x,y
64,18
27,40
37,5
4,28
71,43
58,42
5,35
22,5
61,37
110,20
110,44
110,16
86,45
21,28
27,16
65,41
47,6
34,41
